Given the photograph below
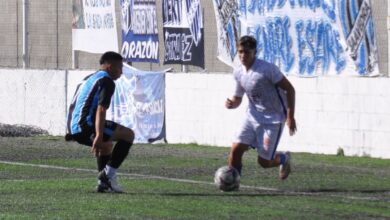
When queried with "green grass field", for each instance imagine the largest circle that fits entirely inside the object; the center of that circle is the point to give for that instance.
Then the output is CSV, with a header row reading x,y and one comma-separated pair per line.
x,y
175,182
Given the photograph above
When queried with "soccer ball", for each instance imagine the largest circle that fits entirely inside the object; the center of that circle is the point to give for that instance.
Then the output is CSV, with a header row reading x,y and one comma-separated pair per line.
x,y
227,179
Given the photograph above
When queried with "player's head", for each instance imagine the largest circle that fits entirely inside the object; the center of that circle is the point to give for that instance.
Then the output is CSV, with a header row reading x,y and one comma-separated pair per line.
x,y
246,49
112,63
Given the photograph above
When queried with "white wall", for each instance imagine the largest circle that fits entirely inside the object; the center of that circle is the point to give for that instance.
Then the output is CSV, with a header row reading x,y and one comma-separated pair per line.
x,y
331,112
351,113
195,111
33,97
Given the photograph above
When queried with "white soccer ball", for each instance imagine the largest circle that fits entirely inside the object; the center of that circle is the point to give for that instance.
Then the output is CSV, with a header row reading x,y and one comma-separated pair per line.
x,y
227,179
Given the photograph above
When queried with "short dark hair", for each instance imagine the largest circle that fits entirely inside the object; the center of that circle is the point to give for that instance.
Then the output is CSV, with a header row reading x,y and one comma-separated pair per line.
x,y
110,56
248,42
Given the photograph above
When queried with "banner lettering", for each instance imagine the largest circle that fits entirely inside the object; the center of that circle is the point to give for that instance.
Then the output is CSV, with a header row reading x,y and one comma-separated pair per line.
x,y
305,38
139,31
183,32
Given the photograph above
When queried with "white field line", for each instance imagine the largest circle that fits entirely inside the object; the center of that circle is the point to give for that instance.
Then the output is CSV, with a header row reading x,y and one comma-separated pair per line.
x,y
131,175
139,176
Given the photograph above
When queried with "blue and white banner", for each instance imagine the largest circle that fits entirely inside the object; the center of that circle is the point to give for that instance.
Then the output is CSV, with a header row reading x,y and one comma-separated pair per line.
x,y
94,26
183,32
139,103
305,38
139,31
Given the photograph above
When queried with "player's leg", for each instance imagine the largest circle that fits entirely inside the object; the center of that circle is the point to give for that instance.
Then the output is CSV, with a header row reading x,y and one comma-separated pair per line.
x,y
123,136
102,158
104,155
245,138
235,156
268,139
280,158
124,139
86,137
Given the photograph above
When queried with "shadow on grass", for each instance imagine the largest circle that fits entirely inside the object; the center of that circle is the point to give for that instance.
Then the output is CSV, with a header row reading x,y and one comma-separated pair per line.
x,y
333,190
257,193
217,194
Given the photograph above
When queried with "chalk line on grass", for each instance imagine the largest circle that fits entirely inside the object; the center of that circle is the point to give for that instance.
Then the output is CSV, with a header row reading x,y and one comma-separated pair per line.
x,y
131,175
134,175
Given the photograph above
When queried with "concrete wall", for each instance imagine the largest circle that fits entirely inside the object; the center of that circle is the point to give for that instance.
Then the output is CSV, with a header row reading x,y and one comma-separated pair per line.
x,y
331,112
33,97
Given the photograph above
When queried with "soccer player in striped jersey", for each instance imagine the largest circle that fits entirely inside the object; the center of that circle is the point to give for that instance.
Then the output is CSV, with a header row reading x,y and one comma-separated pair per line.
x,y
271,104
87,122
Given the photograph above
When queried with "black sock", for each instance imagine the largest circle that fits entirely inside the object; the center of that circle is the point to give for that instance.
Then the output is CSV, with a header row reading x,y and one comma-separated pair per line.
x,y
239,169
102,161
119,153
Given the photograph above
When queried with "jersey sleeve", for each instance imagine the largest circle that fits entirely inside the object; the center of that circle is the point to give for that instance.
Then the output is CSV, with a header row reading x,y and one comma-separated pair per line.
x,y
239,90
275,75
107,88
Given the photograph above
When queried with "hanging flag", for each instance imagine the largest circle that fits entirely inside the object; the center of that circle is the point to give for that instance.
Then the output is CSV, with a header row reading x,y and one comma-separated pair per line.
x,y
183,32
304,38
139,31
139,103
94,26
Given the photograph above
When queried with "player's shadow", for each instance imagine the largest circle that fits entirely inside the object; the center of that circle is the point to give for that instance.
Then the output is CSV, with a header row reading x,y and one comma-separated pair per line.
x,y
217,194
257,193
334,190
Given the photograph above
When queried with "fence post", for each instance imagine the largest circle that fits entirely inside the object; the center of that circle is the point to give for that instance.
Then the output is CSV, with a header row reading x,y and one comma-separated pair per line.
x,y
184,68
75,59
388,39
25,34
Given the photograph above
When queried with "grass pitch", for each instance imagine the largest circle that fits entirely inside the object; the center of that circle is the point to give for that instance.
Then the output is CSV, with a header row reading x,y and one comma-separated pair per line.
x,y
175,182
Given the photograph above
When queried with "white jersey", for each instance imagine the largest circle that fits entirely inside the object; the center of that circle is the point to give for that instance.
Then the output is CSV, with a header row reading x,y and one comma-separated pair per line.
x,y
267,102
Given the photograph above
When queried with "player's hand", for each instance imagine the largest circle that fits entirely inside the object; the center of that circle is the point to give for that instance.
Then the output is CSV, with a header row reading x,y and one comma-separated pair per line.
x,y
291,125
97,145
229,103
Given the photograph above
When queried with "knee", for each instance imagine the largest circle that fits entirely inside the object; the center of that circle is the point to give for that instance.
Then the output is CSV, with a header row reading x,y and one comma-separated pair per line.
x,y
130,135
126,134
264,163
238,150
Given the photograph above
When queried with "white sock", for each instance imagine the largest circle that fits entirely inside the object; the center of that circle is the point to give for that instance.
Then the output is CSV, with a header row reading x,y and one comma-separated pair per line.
x,y
110,171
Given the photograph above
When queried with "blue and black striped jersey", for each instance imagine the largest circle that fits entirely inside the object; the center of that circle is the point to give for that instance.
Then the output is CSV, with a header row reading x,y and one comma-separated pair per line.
x,y
96,89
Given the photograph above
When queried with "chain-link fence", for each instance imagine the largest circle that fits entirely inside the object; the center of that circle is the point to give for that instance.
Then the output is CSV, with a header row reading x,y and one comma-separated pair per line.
x,y
50,37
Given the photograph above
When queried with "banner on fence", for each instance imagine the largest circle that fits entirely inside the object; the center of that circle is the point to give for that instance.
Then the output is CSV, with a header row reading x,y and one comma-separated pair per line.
x,y
139,31
183,32
94,26
306,38
139,103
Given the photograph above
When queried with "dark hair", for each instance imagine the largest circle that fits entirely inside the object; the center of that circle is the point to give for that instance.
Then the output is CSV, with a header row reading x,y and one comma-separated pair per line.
x,y
109,57
248,42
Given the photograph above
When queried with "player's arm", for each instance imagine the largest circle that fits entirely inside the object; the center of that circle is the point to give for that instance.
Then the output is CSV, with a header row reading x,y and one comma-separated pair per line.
x,y
290,93
106,93
233,102
100,121
99,128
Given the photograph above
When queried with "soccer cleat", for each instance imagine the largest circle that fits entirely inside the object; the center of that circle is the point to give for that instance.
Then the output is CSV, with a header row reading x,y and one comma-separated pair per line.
x,y
102,187
285,169
111,182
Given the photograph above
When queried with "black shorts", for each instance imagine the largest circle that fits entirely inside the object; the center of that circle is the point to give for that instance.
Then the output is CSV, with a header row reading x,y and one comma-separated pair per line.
x,y
87,135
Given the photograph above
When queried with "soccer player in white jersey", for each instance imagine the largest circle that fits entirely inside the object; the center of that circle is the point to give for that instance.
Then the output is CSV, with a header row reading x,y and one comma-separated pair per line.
x,y
271,105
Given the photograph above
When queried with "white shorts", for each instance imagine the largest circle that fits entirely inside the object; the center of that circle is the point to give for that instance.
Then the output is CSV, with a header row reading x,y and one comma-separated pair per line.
x,y
262,137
